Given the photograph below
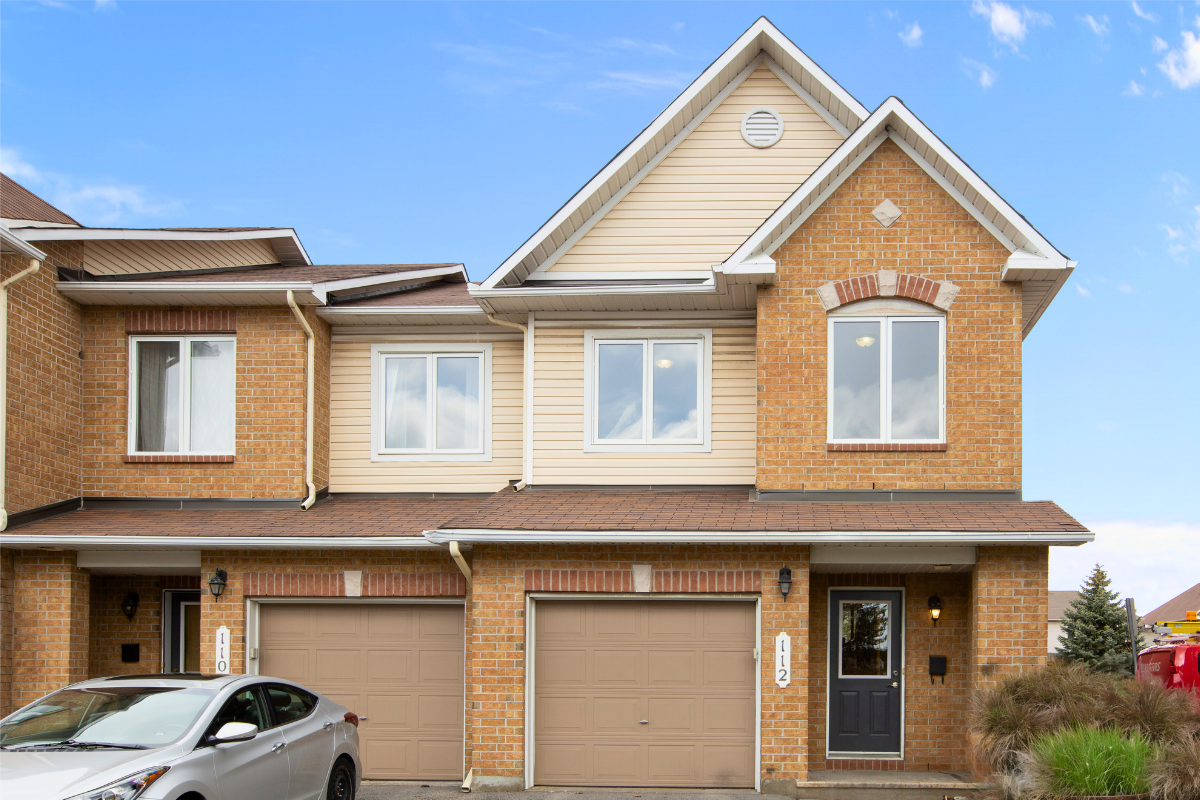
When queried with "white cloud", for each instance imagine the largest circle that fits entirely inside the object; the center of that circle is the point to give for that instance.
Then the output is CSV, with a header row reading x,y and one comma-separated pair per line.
x,y
1134,89
1082,291
1141,12
1182,66
1098,26
640,81
1159,44
1009,25
1125,288
91,203
980,72
641,46
1133,555
1177,185
911,36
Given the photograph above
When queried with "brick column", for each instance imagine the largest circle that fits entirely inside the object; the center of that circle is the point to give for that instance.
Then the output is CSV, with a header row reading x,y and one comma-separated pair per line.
x,y
784,745
51,604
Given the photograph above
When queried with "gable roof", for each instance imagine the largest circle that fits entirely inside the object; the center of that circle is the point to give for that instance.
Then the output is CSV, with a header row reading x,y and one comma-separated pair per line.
x,y
1034,259
18,203
1177,607
1059,600
800,72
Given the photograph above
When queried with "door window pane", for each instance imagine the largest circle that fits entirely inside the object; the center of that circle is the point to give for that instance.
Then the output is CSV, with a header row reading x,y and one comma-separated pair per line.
x,y
157,396
212,397
289,704
676,390
916,401
619,377
865,639
245,706
856,368
405,394
458,403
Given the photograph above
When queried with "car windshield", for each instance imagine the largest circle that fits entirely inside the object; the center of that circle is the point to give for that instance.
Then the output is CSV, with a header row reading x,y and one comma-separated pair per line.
x,y
122,716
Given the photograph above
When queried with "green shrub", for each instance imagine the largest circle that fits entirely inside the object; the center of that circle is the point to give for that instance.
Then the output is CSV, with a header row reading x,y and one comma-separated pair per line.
x,y
1090,761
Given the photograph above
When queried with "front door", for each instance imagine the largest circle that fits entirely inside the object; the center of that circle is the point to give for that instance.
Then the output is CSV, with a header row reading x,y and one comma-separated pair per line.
x,y
866,648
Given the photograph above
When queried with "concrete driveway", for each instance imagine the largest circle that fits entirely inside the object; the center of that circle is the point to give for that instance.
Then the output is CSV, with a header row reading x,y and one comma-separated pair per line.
x,y
434,790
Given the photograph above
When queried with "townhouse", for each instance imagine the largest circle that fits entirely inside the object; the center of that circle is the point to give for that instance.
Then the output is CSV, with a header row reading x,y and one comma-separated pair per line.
x,y
715,482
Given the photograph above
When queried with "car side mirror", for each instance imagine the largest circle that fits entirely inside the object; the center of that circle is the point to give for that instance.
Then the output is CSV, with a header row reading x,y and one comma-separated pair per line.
x,y
235,732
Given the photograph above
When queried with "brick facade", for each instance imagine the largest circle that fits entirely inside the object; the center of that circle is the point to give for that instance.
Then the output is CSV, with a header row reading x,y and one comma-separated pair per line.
x,y
1010,603
50,646
935,239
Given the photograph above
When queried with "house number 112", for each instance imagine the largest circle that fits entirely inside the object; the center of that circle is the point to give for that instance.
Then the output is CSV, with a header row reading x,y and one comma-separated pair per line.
x,y
783,660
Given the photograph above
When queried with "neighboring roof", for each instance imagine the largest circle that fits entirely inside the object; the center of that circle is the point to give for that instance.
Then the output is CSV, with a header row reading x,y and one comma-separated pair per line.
x,y
336,518
1176,608
283,241
11,243
730,511
808,80
314,273
429,294
17,202
1059,600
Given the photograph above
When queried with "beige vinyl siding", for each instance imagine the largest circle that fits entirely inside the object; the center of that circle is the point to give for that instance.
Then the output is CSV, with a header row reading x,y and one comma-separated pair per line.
x,y
124,257
350,465
558,424
710,193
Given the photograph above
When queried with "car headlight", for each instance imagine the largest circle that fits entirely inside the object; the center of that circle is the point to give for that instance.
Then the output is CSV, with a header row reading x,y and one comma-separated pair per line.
x,y
127,788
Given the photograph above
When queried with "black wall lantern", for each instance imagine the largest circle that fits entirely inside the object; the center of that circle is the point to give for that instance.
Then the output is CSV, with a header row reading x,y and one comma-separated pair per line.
x,y
216,584
785,581
935,609
129,605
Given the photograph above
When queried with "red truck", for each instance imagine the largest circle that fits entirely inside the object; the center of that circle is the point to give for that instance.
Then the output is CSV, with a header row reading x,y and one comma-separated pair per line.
x,y
1175,663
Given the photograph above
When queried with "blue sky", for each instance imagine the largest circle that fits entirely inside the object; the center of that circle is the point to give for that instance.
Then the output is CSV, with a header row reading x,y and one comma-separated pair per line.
x,y
408,132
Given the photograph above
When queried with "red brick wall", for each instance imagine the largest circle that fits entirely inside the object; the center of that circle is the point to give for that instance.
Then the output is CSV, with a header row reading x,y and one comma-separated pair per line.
x,y
109,628
50,624
935,238
44,383
935,716
1010,602
269,461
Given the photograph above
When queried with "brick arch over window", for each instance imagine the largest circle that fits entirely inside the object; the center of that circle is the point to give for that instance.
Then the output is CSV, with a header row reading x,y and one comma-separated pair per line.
x,y
887,283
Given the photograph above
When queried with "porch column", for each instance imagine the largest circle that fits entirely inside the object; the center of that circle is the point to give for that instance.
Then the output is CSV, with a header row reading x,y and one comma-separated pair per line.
x,y
785,710
50,609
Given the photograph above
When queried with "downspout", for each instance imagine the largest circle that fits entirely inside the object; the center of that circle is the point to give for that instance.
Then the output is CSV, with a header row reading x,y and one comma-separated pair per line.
x,y
34,266
527,400
308,402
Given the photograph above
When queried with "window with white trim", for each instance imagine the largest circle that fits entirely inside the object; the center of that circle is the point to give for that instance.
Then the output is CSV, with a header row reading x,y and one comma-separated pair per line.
x,y
431,403
887,379
648,390
181,395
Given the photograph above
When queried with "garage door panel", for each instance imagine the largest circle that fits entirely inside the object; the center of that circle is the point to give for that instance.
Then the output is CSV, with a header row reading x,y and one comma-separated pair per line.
x,y
560,668
724,622
375,660
673,621
727,716
560,621
562,714
566,764
672,715
616,714
672,667
728,764
729,668
615,667
618,764
673,764
614,621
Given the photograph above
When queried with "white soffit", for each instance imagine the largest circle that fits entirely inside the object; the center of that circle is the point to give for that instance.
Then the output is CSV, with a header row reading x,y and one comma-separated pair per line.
x,y
283,241
187,293
831,100
145,562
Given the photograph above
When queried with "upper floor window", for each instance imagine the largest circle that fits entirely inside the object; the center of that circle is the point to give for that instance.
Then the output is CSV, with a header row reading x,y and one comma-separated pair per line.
x,y
887,377
648,391
432,403
182,395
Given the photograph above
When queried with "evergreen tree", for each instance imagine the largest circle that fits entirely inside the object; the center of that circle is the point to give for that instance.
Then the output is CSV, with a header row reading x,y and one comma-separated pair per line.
x,y
1095,628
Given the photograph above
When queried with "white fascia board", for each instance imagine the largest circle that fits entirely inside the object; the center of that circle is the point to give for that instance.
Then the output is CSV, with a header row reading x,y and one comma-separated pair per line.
x,y
1049,298
13,222
709,286
656,275
11,243
1025,266
486,535
145,234
332,312
83,291
325,288
72,542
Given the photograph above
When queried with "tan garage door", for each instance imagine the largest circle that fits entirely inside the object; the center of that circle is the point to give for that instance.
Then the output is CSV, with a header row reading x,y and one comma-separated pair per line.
x,y
400,666
686,668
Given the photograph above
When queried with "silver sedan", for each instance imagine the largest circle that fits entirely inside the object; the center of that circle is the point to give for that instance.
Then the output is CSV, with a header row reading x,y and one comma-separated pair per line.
x,y
180,737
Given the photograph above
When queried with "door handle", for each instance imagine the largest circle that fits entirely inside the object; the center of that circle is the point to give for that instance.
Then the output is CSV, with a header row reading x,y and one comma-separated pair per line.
x,y
327,726
895,684
644,722
275,748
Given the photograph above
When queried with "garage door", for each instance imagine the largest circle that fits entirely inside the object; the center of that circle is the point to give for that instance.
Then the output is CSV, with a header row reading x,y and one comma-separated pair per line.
x,y
634,693
399,666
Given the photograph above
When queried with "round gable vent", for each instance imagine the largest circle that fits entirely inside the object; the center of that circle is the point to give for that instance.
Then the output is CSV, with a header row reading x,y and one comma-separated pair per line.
x,y
762,126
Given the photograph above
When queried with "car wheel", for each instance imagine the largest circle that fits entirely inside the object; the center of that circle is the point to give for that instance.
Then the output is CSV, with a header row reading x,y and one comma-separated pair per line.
x,y
341,782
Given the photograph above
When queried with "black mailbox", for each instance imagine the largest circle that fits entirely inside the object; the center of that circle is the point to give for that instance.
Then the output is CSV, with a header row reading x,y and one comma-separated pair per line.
x,y
131,653
937,666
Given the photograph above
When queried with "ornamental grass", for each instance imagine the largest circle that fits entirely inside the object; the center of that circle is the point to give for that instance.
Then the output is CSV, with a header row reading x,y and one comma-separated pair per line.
x,y
1090,762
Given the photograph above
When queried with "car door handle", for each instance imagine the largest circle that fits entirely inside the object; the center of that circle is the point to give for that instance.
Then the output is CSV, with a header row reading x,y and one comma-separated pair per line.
x,y
327,726
275,748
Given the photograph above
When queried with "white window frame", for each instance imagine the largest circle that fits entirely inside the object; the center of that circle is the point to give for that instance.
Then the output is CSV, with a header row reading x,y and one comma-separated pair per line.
x,y
185,390
593,338
379,352
885,376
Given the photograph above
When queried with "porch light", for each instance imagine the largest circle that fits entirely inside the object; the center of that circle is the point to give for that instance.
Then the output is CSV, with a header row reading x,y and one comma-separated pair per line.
x,y
216,584
935,609
130,605
785,581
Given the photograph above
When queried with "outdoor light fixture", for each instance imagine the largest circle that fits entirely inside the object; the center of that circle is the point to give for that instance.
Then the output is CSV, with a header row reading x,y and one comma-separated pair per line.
x,y
785,581
129,605
935,609
216,584
865,341
664,363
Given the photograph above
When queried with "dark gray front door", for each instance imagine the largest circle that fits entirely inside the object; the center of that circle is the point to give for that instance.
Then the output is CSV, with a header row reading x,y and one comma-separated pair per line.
x,y
865,651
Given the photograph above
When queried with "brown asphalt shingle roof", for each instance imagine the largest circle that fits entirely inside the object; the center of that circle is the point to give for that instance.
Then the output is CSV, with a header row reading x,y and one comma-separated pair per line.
x,y
733,511
17,202
1177,607
335,517
1059,600
437,294
314,273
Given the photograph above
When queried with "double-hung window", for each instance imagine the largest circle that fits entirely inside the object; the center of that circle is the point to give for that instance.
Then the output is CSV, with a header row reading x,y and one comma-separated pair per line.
x,y
431,403
647,391
887,379
181,395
